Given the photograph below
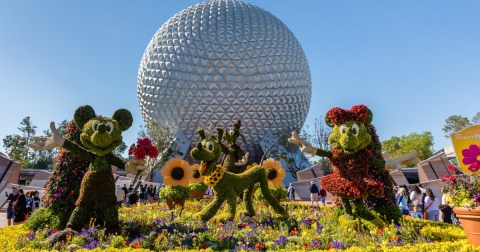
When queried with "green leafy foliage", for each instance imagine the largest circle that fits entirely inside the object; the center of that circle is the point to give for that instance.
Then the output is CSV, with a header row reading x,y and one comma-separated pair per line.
x,y
197,187
44,217
174,192
399,146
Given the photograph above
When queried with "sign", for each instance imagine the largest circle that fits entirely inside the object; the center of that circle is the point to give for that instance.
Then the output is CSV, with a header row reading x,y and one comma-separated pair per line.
x,y
466,143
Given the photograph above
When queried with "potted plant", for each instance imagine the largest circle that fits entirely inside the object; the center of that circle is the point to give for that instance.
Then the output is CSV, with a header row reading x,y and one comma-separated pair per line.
x,y
196,186
177,174
464,194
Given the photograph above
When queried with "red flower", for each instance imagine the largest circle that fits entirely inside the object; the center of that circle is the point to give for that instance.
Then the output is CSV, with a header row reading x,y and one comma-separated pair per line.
x,y
379,230
329,246
143,149
305,245
131,150
202,245
452,168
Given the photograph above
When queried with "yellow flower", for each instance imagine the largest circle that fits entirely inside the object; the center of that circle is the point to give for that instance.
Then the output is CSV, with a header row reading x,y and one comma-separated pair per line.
x,y
196,176
275,173
176,172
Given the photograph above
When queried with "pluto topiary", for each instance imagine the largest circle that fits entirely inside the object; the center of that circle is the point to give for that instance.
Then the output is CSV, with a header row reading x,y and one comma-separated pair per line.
x,y
359,169
226,185
100,136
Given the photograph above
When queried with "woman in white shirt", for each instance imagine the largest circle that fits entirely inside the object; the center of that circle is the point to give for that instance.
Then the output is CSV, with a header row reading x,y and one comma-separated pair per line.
x,y
431,205
416,197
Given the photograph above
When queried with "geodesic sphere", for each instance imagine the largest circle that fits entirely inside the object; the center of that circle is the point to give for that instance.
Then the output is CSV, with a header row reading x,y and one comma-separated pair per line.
x,y
221,60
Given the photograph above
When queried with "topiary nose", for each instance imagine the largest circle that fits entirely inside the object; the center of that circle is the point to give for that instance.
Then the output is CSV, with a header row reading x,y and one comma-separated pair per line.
x,y
102,128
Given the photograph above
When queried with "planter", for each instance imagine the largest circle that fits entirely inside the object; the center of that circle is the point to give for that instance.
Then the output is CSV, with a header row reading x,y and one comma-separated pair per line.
x,y
177,202
196,194
470,219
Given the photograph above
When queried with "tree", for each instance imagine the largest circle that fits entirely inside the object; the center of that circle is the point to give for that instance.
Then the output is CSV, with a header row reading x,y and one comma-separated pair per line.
x,y
455,123
28,130
476,118
62,127
399,146
16,147
318,137
120,149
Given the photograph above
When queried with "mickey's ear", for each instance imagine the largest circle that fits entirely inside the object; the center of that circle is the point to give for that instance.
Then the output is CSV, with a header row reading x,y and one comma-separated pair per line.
x,y
82,115
124,118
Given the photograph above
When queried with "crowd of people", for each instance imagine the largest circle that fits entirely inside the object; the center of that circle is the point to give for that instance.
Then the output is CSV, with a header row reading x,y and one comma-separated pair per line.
x,y
425,204
21,205
143,195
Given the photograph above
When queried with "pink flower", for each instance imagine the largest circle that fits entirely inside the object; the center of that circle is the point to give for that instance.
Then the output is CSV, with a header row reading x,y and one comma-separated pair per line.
x,y
470,157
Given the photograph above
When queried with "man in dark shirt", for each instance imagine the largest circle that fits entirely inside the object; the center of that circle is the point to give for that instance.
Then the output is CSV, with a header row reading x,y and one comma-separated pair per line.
x,y
313,193
12,197
133,198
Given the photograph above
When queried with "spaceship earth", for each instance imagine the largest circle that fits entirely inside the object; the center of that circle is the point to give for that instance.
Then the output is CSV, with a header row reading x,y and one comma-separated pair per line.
x,y
220,60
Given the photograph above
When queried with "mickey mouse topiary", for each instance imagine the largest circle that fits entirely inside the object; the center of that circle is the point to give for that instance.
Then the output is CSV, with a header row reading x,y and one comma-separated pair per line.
x,y
100,136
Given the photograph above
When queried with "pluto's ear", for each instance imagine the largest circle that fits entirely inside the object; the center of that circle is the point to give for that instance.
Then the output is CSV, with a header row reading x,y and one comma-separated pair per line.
x,y
201,132
82,115
124,118
220,133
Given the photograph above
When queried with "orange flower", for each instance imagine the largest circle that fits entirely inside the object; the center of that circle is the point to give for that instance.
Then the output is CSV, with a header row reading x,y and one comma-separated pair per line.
x,y
259,246
176,172
197,177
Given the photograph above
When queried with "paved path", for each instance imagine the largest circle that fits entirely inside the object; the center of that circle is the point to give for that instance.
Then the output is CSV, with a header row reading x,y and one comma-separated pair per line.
x,y
3,219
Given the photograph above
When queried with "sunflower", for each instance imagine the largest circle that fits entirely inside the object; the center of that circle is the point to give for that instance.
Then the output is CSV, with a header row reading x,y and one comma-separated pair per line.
x,y
176,172
196,176
275,172
251,166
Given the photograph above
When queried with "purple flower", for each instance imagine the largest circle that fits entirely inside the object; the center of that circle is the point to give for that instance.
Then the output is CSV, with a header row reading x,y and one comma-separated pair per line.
x,y
31,236
91,245
319,228
281,240
337,244
470,157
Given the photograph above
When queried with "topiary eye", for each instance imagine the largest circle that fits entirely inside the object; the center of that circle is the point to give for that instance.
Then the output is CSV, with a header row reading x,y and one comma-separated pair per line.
x,y
231,132
209,145
95,125
109,127
343,129
355,129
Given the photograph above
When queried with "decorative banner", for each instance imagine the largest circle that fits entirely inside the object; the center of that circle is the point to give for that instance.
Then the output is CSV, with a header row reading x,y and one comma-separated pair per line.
x,y
466,143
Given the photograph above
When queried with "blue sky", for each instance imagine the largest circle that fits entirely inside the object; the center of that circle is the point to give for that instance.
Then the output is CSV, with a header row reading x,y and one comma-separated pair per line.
x,y
414,63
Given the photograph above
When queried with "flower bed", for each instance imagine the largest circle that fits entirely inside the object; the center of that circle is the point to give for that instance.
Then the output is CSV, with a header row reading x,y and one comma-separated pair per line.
x,y
154,227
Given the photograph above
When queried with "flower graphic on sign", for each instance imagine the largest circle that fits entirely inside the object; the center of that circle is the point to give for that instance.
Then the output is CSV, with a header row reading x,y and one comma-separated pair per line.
x,y
471,156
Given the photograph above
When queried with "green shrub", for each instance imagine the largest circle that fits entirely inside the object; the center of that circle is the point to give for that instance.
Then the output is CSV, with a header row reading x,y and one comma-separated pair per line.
x,y
174,192
197,187
44,217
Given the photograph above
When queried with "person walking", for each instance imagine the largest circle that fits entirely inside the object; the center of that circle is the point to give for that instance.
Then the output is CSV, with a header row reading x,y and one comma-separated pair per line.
x,y
416,198
11,198
402,201
431,205
291,192
20,207
125,191
313,193
323,196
